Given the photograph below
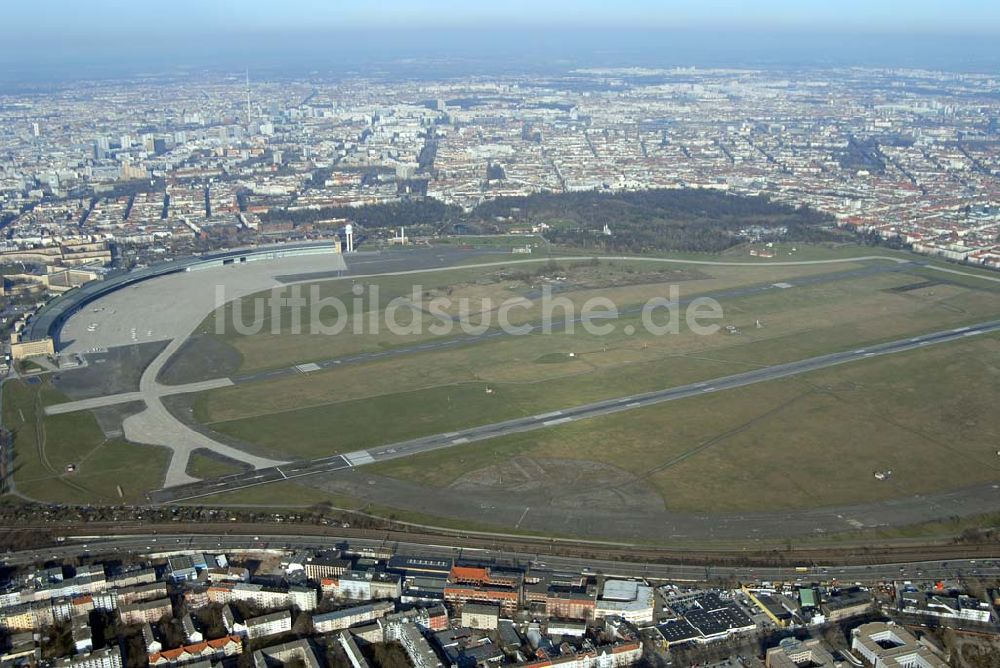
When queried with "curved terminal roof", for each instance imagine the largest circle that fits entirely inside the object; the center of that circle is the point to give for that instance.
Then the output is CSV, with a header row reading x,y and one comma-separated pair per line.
x,y
51,317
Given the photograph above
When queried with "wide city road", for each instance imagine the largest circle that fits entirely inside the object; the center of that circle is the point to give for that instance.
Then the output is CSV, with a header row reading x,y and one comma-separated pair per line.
x,y
149,545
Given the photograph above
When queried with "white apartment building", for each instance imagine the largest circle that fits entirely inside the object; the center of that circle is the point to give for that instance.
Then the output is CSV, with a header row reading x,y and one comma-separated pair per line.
x,y
269,625
342,619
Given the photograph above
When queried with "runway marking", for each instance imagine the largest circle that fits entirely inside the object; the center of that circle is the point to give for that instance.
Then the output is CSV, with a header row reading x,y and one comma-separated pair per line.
x,y
971,333
549,423
521,519
278,469
307,367
548,415
459,441
632,405
358,457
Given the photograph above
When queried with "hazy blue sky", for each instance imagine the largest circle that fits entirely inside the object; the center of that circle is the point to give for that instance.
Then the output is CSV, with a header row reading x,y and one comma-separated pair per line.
x,y
50,40
104,18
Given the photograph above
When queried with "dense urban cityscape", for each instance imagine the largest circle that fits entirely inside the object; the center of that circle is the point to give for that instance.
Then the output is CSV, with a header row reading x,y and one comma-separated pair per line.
x,y
908,155
265,604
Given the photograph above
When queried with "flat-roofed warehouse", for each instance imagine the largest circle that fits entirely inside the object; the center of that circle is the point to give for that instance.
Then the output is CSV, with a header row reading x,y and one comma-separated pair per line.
x,y
411,566
628,599
480,616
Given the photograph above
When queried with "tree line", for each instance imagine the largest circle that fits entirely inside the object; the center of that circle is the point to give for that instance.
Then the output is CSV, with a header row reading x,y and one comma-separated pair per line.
x,y
656,220
407,212
649,220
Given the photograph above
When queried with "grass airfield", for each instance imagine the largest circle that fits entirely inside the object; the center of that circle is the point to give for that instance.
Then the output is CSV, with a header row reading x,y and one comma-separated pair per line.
x,y
795,323
806,442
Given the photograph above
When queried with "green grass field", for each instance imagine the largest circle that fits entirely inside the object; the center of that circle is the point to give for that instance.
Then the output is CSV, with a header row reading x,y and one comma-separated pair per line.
x,y
43,448
341,410
286,494
204,466
627,284
779,445
808,441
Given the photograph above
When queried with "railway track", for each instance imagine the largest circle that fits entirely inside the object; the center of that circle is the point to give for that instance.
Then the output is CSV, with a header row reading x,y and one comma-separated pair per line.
x,y
846,555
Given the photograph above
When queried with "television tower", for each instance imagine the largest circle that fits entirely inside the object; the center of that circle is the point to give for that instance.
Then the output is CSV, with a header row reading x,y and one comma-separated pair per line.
x,y
248,100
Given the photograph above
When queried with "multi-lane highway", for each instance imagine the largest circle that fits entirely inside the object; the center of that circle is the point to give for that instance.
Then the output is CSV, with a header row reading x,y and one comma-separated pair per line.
x,y
540,421
166,544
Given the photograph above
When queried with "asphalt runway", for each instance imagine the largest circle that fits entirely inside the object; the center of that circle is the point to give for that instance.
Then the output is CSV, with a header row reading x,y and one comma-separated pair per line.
x,y
429,443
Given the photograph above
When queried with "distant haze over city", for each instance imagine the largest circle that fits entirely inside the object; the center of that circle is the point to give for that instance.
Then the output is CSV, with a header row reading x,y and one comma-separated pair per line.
x,y
64,41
